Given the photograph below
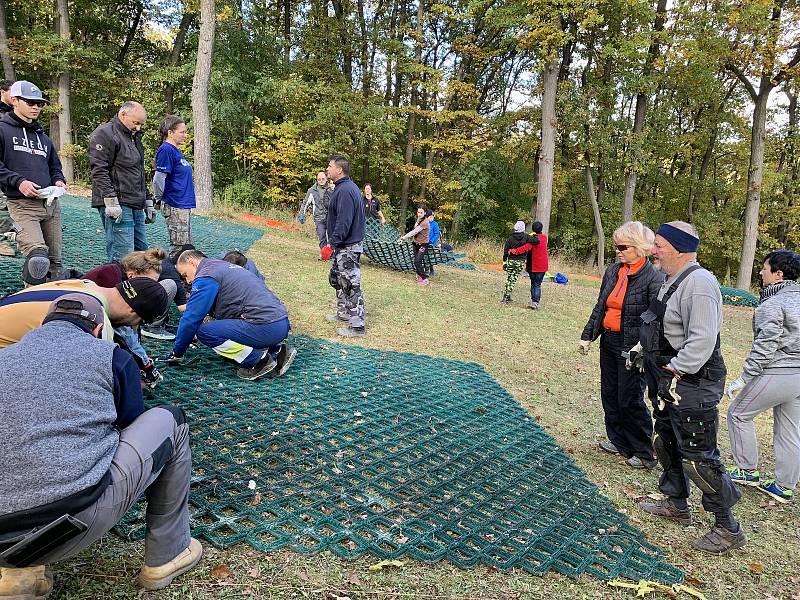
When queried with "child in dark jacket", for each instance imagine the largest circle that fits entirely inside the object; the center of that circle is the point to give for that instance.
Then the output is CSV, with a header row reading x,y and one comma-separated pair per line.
x,y
513,264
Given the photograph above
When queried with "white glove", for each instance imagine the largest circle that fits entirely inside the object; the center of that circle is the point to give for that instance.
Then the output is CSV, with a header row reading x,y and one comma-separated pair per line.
x,y
113,209
583,346
150,212
50,193
634,358
736,386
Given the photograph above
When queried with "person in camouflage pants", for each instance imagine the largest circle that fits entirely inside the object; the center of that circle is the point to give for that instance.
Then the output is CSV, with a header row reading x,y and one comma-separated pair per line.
x,y
513,264
345,278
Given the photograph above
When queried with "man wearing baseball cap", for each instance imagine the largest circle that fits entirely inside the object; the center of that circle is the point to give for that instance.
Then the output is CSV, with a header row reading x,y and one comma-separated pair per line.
x,y
31,178
72,472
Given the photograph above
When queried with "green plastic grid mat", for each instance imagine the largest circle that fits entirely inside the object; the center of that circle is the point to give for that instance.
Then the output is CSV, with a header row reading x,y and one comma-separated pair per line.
x,y
83,244
389,454
381,246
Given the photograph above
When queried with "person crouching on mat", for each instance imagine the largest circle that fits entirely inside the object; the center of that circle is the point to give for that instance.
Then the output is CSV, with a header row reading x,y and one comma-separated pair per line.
x,y
248,325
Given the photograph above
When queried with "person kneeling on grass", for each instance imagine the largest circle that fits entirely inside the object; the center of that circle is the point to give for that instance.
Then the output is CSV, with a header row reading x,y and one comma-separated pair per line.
x,y
248,325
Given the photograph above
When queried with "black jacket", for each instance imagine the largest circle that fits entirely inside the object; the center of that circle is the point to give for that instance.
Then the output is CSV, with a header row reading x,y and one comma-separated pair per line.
x,y
4,108
642,288
116,157
26,153
515,240
345,215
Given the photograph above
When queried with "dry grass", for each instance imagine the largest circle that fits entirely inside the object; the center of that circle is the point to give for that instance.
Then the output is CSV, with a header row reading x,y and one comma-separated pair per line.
x,y
531,353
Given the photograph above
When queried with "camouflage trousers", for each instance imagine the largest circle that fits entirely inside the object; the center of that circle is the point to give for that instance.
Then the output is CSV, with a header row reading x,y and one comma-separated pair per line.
x,y
179,225
513,269
345,278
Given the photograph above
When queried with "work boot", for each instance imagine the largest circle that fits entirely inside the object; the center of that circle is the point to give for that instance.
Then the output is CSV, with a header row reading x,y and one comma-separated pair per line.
x,y
156,578
29,583
265,365
284,360
351,332
720,541
336,318
665,508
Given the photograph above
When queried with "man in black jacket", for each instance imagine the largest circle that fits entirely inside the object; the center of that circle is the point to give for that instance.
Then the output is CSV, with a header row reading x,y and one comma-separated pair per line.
x,y
119,188
31,178
346,236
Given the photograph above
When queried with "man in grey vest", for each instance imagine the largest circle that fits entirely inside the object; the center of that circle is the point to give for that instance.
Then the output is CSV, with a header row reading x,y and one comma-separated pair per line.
x,y
248,324
680,339
91,452
317,200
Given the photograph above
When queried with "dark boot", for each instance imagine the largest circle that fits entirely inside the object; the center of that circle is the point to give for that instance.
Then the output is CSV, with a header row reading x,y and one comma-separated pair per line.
x,y
665,508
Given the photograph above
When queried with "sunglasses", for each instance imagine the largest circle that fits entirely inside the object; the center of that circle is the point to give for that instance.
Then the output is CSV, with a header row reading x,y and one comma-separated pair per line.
x,y
39,103
622,247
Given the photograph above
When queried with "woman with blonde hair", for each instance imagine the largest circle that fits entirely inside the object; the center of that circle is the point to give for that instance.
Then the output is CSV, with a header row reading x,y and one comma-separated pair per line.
x,y
627,289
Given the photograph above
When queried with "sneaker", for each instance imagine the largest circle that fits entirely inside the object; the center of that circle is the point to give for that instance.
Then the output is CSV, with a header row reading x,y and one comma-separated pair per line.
x,y
534,306
422,281
743,476
266,365
505,300
720,541
641,463
771,488
284,360
336,318
608,446
351,332
29,583
157,332
665,508
156,578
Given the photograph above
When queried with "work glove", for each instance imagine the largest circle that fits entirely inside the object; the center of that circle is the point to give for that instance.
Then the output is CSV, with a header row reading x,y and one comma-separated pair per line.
x,y
151,376
171,358
326,252
583,346
634,359
157,203
149,212
113,209
50,193
667,389
301,218
733,389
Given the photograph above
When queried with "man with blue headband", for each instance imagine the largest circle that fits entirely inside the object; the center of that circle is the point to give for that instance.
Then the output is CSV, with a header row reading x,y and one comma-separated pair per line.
x,y
680,340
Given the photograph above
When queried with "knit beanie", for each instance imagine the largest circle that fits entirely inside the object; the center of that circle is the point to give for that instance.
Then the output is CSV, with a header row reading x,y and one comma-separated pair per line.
x,y
146,297
519,226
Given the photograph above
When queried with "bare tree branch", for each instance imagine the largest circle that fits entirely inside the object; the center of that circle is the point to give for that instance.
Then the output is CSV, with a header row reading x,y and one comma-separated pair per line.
x,y
743,78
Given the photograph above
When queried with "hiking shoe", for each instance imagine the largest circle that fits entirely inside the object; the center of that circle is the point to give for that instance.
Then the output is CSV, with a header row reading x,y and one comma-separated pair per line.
x,y
265,365
608,446
720,541
534,305
336,318
157,332
284,360
665,508
156,578
743,476
771,488
641,463
351,332
28,583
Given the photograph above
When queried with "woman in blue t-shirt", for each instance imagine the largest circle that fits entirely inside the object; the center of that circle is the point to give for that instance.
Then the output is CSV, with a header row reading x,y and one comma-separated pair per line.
x,y
173,186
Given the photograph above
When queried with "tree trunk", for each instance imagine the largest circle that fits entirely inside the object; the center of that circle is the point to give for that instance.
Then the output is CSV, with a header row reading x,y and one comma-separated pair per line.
x,y
131,33
532,211
544,194
598,220
5,53
641,113
174,59
203,183
65,113
287,30
755,179
791,177
412,117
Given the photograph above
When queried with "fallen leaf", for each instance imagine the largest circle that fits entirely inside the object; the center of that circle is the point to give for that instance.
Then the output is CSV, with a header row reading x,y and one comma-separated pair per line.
x,y
756,568
256,499
693,580
617,549
402,539
255,572
222,571
386,563
353,579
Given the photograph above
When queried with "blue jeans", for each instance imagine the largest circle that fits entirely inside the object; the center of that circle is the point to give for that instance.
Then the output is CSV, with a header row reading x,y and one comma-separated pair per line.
x,y
132,339
536,286
126,236
241,341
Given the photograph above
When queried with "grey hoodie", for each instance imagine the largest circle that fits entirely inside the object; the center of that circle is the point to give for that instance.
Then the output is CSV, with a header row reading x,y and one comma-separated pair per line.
x,y
776,334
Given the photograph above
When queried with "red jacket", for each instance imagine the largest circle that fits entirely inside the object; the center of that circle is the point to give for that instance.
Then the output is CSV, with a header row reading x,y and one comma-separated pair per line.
x,y
536,261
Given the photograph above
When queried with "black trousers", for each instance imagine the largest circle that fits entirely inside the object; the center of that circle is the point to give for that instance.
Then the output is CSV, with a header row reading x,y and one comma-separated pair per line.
x,y
628,423
420,250
686,443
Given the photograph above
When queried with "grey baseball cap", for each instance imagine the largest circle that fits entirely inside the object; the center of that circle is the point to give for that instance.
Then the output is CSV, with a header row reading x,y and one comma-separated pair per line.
x,y
27,90
78,304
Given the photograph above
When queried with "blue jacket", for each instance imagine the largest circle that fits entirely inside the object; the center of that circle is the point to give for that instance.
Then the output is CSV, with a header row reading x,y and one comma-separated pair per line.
x,y
434,233
345,215
226,291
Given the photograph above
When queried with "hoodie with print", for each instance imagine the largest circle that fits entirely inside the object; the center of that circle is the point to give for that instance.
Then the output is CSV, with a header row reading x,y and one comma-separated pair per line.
x,y
26,153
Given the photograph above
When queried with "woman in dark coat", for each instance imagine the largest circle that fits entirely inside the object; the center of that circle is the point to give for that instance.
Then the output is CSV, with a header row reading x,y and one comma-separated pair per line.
x,y
627,289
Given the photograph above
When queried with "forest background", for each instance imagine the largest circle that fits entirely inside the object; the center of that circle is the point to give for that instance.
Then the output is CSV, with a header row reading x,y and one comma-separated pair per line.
x,y
579,113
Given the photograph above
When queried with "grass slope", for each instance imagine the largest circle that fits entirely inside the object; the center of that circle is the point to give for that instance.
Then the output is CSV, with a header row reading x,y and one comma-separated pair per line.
x,y
532,355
